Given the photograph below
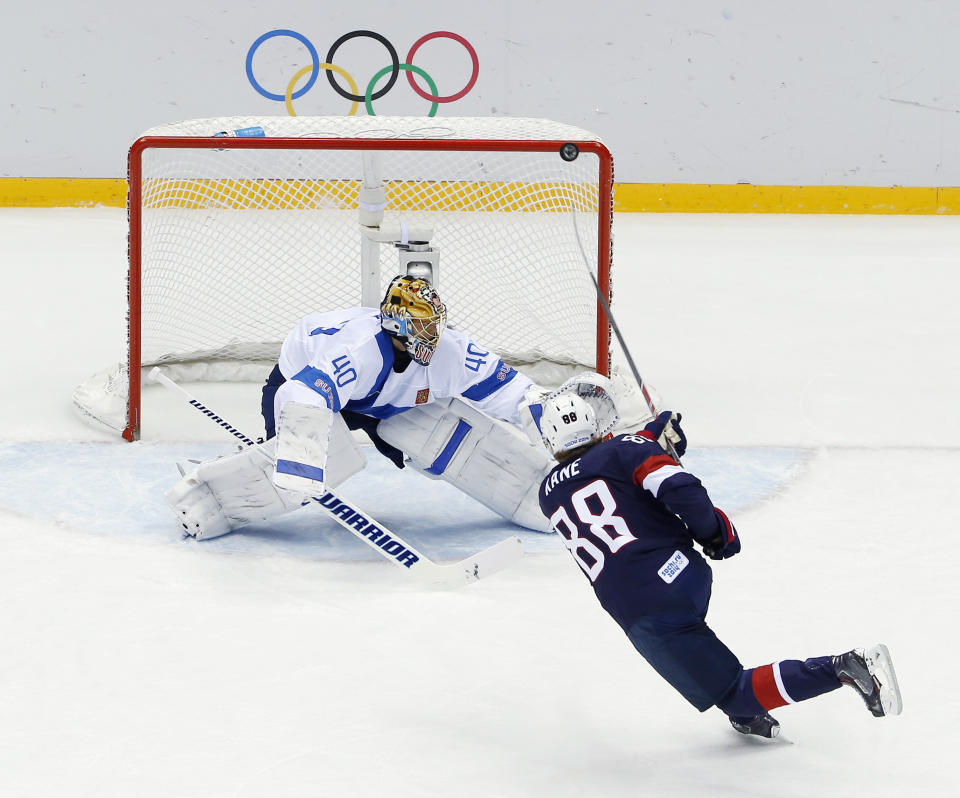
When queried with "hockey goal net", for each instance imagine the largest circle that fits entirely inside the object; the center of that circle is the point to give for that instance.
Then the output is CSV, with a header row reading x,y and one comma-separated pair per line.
x,y
240,226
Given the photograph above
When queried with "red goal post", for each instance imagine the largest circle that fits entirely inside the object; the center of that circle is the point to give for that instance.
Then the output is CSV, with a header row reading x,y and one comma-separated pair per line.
x,y
240,226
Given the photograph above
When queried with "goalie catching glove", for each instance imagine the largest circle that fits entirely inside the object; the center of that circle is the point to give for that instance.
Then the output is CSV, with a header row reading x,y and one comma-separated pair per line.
x,y
595,389
592,388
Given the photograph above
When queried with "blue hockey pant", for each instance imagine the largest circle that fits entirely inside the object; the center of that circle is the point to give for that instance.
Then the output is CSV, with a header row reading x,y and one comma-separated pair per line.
x,y
676,640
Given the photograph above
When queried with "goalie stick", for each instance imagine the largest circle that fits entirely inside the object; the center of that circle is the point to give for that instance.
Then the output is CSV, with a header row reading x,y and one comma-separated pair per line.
x,y
386,542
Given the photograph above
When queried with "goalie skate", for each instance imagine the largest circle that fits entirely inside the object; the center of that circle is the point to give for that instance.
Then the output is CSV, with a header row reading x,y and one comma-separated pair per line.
x,y
871,674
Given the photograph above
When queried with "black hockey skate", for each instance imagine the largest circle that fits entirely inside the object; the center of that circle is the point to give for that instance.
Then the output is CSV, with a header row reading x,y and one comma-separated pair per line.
x,y
762,726
871,674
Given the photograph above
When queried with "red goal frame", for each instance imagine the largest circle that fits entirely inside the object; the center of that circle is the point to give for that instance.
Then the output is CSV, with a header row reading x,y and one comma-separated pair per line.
x,y
131,431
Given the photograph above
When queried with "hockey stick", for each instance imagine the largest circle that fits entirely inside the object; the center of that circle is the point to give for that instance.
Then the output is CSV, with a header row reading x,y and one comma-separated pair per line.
x,y
386,542
156,375
623,344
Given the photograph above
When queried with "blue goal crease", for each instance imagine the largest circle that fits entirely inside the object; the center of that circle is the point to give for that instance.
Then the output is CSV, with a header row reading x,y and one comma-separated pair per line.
x,y
117,490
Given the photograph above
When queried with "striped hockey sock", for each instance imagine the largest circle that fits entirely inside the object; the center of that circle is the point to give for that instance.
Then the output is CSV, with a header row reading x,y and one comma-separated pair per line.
x,y
788,681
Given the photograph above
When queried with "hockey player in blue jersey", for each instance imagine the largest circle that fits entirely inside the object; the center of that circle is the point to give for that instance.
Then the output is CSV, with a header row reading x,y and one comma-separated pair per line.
x,y
427,395
630,515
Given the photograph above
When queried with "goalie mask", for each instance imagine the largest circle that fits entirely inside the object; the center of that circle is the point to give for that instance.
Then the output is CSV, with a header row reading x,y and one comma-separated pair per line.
x,y
412,313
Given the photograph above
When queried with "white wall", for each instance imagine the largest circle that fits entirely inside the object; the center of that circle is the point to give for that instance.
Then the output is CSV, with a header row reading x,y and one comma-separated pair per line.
x,y
859,92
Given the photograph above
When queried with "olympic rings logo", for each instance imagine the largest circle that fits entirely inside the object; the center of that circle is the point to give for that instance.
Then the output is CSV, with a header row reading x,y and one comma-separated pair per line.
x,y
371,92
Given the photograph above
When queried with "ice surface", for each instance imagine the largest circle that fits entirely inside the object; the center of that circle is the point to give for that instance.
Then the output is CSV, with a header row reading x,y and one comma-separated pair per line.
x,y
814,361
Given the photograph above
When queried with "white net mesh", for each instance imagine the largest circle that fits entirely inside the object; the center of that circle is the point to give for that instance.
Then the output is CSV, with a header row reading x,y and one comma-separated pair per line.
x,y
237,243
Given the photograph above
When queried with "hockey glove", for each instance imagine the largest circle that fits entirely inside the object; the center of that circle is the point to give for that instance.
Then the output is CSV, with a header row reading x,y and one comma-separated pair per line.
x,y
530,410
665,429
726,543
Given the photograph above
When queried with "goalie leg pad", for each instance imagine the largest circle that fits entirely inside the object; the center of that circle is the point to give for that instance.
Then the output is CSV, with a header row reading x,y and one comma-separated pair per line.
x,y
487,459
197,508
219,496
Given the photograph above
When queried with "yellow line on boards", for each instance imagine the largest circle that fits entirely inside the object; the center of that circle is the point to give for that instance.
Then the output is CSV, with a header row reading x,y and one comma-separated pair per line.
x,y
62,192
684,198
51,192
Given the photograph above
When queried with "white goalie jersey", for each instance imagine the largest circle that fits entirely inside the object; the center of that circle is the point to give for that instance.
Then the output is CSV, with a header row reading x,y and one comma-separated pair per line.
x,y
344,360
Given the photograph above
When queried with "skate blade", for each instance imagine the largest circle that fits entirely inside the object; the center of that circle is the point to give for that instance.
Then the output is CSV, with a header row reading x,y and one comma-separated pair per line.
x,y
880,666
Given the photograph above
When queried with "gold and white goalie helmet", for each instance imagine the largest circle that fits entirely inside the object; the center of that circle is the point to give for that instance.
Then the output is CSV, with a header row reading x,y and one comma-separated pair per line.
x,y
412,312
